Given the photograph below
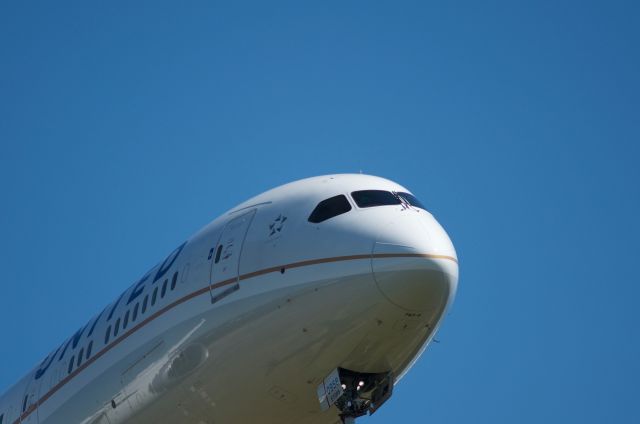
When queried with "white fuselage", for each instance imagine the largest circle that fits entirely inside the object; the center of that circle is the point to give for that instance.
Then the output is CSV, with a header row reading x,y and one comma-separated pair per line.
x,y
243,321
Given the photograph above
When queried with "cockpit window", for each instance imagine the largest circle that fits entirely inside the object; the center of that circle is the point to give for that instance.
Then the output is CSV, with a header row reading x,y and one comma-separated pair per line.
x,y
329,208
370,198
413,201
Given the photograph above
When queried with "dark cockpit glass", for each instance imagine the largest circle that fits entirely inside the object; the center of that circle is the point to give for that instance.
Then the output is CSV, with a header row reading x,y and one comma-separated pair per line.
x,y
329,208
413,201
370,198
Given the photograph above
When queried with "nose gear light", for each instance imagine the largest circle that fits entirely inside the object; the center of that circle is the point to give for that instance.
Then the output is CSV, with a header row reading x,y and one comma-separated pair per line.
x,y
354,393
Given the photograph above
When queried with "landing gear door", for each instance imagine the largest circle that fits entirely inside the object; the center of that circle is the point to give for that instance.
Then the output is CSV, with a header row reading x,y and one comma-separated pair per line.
x,y
225,262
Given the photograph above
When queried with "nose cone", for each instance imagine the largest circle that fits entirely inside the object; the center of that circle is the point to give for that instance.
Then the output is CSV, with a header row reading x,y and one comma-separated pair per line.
x,y
417,269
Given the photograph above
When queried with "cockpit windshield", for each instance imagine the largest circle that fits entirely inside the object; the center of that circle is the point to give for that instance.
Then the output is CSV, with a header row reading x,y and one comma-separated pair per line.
x,y
371,198
337,205
329,208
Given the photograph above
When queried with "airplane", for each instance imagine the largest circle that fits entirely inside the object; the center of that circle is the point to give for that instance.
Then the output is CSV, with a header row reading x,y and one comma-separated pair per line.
x,y
305,304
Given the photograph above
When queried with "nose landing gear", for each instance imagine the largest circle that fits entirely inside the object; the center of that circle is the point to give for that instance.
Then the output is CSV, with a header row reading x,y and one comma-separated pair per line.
x,y
358,393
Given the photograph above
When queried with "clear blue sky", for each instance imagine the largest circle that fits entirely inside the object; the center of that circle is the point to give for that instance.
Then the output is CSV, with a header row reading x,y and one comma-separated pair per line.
x,y
125,128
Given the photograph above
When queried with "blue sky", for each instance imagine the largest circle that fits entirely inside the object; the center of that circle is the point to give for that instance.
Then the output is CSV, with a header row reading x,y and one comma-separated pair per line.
x,y
126,127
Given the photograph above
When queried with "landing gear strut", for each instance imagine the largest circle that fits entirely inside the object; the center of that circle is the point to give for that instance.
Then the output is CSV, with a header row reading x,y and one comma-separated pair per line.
x,y
362,393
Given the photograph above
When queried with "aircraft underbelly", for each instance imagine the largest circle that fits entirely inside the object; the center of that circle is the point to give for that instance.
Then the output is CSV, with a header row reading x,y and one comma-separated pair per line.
x,y
254,374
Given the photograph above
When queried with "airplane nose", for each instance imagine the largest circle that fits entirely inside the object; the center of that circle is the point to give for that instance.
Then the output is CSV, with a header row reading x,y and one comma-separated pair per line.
x,y
417,272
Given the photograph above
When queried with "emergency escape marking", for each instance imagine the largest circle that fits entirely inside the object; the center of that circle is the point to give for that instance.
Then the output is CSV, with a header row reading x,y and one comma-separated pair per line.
x,y
329,390
228,250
